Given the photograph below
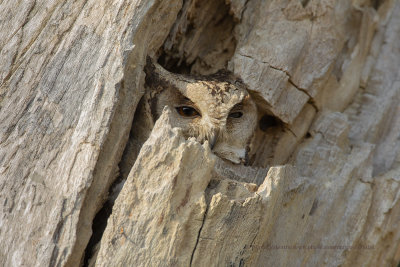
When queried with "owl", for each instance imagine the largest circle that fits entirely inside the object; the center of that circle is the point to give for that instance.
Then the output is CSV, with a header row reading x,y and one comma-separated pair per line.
x,y
215,108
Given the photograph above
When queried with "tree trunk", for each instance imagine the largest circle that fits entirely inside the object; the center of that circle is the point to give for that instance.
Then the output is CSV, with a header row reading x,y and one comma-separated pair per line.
x,y
322,187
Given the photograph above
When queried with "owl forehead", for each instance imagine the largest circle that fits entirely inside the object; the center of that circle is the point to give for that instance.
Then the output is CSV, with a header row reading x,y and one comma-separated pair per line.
x,y
219,93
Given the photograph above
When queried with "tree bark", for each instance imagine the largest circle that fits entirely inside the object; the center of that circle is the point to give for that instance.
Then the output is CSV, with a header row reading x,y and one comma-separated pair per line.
x,y
323,185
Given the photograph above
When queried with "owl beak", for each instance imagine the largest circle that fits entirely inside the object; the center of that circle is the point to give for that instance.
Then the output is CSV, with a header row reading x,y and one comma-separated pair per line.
x,y
212,140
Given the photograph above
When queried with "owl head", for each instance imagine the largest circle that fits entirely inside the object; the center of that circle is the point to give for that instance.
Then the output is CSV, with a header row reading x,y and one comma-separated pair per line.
x,y
216,108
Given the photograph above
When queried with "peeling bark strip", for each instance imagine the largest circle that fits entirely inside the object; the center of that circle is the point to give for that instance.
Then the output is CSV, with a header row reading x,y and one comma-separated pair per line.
x,y
325,171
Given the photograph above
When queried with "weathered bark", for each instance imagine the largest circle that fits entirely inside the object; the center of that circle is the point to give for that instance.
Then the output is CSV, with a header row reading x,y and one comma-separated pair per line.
x,y
66,110
323,185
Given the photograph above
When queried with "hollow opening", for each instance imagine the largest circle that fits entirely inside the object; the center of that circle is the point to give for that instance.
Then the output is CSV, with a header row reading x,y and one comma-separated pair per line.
x,y
201,43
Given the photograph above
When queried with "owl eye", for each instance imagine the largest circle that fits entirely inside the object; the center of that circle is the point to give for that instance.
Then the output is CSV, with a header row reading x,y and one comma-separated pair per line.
x,y
187,111
236,115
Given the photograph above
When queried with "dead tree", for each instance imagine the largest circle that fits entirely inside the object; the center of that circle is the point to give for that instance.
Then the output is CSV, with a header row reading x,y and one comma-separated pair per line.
x,y
323,184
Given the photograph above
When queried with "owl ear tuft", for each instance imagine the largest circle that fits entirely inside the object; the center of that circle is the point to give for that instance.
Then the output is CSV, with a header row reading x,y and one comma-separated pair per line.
x,y
154,77
159,78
